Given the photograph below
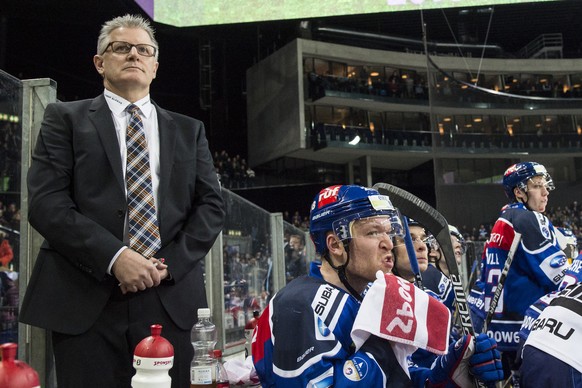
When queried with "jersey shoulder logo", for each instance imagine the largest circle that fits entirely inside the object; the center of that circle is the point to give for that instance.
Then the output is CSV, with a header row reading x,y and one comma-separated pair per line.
x,y
355,369
322,328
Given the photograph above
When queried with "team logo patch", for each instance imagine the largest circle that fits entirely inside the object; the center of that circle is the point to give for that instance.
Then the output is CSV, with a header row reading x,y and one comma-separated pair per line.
x,y
327,196
545,231
511,170
442,287
558,261
323,329
356,369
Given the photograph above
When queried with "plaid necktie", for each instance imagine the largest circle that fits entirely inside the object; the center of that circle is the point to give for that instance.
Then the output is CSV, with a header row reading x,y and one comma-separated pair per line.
x,y
144,234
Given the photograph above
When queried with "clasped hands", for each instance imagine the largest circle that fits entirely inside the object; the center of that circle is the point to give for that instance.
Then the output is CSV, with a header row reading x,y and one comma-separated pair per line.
x,y
136,274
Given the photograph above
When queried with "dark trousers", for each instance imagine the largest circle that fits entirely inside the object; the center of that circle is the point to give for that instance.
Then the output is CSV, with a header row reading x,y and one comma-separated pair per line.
x,y
540,369
103,356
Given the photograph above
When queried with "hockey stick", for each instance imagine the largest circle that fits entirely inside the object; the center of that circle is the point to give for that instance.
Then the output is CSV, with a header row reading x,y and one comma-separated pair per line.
x,y
434,221
411,253
473,275
501,281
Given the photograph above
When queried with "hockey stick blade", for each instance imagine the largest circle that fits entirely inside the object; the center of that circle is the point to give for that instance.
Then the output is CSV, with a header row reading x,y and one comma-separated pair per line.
x,y
415,208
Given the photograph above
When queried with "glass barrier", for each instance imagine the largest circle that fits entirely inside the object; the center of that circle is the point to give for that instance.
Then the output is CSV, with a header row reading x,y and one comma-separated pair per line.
x,y
247,265
473,262
296,256
10,169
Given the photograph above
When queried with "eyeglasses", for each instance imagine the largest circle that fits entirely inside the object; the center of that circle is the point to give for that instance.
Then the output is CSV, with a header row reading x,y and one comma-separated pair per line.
x,y
145,50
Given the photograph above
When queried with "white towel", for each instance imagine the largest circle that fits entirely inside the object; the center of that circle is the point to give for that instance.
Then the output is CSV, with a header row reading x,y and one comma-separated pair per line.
x,y
397,310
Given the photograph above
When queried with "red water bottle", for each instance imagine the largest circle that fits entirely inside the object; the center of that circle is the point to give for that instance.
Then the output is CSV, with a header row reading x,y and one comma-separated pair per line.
x,y
222,380
14,373
152,359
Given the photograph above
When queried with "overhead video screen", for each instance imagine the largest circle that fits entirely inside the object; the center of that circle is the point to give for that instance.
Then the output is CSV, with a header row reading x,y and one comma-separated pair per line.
x,y
188,13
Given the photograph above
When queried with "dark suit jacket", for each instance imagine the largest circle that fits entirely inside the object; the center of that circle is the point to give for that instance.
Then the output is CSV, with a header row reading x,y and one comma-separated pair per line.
x,y
78,204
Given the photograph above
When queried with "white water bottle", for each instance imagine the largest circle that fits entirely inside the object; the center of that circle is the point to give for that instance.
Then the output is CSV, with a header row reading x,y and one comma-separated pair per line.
x,y
152,359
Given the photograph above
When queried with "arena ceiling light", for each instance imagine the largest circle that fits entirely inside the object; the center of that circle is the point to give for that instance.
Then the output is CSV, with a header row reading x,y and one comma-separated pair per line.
x,y
355,140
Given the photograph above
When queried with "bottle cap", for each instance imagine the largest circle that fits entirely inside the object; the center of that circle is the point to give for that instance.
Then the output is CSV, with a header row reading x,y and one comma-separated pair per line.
x,y
203,313
15,373
154,346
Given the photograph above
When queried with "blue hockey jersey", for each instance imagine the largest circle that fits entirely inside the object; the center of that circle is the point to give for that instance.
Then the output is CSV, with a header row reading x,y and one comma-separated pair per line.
x,y
538,267
303,339
435,281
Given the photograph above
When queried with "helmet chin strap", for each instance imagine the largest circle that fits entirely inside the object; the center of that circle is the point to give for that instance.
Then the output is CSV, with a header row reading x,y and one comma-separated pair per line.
x,y
524,201
341,272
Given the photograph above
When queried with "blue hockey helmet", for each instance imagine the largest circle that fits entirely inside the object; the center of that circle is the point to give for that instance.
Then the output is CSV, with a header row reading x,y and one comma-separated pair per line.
x,y
518,174
413,222
336,207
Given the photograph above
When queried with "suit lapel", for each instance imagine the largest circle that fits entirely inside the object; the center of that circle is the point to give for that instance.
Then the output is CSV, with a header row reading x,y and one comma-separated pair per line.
x,y
167,129
100,115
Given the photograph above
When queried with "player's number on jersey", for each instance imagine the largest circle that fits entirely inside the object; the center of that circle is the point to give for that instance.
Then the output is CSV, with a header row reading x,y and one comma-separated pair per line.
x,y
493,280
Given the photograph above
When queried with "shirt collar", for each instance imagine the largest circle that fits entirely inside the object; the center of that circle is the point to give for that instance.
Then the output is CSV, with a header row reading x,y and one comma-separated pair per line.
x,y
118,105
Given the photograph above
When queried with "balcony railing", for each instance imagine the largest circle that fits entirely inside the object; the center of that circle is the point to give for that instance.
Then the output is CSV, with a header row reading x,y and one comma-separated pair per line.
x,y
544,46
330,135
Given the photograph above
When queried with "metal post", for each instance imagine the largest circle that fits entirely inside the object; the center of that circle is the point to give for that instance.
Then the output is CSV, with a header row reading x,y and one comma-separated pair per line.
x,y
33,343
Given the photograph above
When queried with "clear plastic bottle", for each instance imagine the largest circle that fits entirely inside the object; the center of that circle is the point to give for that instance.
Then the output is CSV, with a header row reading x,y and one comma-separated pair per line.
x,y
221,375
203,336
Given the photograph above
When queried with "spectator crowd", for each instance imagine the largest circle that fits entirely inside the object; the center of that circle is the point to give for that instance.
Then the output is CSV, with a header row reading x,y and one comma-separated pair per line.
x,y
569,217
233,172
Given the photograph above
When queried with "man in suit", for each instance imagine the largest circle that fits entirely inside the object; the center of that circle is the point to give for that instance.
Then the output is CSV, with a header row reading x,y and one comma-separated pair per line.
x,y
95,290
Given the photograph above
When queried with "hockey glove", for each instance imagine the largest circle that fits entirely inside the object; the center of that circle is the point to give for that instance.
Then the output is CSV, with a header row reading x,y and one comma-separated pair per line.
x,y
485,363
465,357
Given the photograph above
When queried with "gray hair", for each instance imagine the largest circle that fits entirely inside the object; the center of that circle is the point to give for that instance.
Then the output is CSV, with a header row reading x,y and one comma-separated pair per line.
x,y
126,21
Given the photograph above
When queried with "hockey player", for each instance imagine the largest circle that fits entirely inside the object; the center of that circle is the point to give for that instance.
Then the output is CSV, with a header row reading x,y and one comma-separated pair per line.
x,y
303,337
538,264
569,242
402,266
435,254
459,244
551,336
432,279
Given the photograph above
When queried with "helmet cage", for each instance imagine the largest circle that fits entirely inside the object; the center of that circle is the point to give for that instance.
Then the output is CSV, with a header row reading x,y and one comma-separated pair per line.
x,y
431,242
343,227
549,182
454,232
461,241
